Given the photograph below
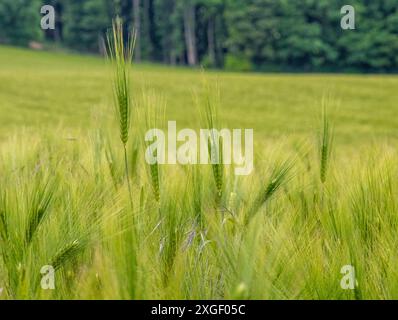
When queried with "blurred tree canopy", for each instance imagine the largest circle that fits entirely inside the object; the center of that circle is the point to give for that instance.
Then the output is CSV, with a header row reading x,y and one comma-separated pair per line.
x,y
275,35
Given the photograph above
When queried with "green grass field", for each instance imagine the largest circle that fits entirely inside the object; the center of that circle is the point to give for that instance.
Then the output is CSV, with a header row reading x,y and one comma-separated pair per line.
x,y
284,232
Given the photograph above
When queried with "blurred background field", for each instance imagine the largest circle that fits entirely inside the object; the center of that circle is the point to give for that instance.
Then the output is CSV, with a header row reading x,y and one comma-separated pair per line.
x,y
47,90
245,35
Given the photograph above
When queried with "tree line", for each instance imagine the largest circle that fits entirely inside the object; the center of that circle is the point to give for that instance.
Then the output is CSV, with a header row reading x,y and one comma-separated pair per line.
x,y
268,35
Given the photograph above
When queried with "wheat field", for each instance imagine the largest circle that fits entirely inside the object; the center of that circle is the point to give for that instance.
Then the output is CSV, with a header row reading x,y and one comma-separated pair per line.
x,y
323,194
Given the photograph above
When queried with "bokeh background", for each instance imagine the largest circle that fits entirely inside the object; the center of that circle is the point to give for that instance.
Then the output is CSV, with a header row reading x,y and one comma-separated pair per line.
x,y
264,35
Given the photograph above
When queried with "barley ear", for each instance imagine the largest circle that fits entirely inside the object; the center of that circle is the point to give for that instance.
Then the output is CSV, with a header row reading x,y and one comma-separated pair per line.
x,y
121,55
325,145
280,175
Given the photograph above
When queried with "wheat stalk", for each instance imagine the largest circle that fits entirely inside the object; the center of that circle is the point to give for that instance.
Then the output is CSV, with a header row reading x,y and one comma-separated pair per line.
x,y
121,56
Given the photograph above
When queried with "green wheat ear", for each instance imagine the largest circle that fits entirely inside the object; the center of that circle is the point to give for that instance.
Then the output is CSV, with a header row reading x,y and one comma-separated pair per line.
x,y
325,145
40,201
67,253
121,55
281,174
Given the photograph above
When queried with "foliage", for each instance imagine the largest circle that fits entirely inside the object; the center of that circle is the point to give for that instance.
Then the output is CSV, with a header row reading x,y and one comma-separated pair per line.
x,y
263,34
19,21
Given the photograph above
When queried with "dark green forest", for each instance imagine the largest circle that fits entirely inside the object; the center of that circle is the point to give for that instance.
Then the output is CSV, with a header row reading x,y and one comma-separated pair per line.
x,y
261,35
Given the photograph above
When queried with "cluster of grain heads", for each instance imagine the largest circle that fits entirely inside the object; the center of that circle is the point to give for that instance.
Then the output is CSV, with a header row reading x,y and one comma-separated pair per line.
x,y
49,215
121,55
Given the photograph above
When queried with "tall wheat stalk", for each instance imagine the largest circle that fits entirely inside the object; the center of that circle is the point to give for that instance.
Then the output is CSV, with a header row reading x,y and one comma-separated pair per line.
x,y
121,56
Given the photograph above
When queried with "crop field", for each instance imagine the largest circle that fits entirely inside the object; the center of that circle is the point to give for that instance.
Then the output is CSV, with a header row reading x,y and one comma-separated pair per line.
x,y
322,198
